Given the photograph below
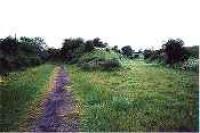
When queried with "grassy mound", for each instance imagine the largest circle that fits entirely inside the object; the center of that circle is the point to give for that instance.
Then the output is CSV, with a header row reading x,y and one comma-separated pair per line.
x,y
100,59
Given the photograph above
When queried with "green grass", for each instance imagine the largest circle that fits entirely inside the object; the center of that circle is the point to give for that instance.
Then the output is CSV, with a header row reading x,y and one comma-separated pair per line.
x,y
100,59
138,97
18,90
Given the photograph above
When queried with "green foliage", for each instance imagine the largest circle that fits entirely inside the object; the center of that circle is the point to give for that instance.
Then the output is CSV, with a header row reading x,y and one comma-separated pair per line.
x,y
174,55
54,54
192,52
115,49
102,59
174,51
20,53
191,64
147,53
18,91
138,97
110,64
127,51
89,46
98,43
76,47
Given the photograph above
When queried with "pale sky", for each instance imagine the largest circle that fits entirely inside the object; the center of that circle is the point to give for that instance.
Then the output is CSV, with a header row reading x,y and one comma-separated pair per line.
x,y
139,23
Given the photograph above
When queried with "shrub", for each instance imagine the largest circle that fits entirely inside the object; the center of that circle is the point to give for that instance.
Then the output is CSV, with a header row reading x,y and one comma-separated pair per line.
x,y
127,51
109,64
147,54
193,51
89,46
174,51
136,56
191,64
107,49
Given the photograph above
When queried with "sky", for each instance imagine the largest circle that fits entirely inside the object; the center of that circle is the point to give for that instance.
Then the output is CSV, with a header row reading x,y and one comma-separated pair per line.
x,y
139,23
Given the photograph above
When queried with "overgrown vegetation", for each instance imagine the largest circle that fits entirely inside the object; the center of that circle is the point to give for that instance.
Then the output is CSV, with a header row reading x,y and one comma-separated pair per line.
x,y
131,95
174,54
73,49
100,59
139,97
18,90
21,53
127,51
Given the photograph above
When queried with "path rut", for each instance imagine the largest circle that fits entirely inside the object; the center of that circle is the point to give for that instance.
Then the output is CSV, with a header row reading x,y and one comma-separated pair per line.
x,y
57,115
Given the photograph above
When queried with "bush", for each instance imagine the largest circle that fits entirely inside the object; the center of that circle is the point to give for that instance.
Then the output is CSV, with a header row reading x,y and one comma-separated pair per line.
x,y
174,51
100,64
136,56
147,54
193,51
191,64
110,64
20,53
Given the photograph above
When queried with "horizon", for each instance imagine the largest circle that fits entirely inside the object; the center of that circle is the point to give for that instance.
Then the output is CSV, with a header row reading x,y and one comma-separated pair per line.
x,y
140,24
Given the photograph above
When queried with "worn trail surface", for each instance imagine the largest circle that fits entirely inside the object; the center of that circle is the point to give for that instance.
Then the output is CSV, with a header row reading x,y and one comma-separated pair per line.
x,y
57,115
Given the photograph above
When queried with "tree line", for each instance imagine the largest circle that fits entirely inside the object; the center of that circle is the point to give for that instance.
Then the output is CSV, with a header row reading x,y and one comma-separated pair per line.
x,y
173,51
21,53
24,52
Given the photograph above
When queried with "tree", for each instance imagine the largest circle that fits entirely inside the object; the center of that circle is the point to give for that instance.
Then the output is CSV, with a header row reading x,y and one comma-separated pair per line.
x,y
127,51
53,54
72,48
115,48
20,53
192,51
174,51
8,45
147,53
98,43
89,46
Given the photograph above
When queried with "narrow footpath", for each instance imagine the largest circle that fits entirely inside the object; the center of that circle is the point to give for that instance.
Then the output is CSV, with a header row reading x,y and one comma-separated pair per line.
x,y
57,111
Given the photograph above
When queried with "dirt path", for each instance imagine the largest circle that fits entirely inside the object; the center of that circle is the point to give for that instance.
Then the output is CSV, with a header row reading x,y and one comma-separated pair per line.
x,y
57,114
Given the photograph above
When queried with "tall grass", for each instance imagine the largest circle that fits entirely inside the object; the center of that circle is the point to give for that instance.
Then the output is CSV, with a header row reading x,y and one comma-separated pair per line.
x,y
18,91
139,97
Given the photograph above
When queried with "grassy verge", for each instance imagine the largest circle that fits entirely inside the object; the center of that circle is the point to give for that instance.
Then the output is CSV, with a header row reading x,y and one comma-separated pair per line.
x,y
18,91
139,97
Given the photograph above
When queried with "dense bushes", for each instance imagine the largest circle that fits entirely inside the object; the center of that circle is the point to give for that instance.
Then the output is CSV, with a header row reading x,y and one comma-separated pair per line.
x,y
174,54
100,59
20,53
75,47
109,64
127,51
101,64
191,64
174,51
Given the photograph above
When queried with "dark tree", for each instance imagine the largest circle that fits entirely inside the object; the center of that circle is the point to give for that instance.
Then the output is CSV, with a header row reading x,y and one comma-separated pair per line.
x,y
192,51
115,48
98,43
174,51
20,53
147,53
71,44
89,46
8,45
72,48
54,54
127,51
